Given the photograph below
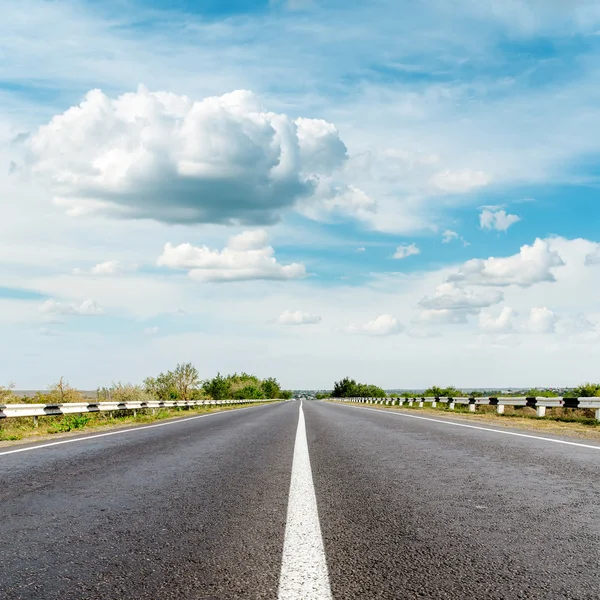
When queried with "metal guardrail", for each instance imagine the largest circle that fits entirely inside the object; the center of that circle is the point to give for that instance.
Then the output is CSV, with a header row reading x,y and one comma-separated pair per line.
x,y
539,403
44,410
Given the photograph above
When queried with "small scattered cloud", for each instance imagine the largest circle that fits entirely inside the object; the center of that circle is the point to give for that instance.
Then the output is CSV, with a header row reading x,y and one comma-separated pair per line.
x,y
499,220
87,308
382,326
298,317
361,249
405,250
533,264
106,269
151,330
449,235
246,257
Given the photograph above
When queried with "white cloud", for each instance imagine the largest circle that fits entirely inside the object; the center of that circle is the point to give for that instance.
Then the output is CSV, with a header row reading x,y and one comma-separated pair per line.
x,y
405,250
361,249
449,235
288,317
247,256
449,296
382,325
497,219
593,258
106,268
443,316
502,323
87,308
533,264
459,181
166,157
542,320
151,330
333,200
576,324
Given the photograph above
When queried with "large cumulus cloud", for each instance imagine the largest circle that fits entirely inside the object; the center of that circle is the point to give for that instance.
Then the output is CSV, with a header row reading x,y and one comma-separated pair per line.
x,y
166,157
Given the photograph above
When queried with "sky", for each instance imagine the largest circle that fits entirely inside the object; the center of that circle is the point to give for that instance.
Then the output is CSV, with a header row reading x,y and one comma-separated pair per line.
x,y
404,192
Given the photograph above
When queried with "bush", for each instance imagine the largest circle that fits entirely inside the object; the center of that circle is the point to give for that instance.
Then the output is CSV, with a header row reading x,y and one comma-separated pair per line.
x,y
218,388
243,387
6,394
348,388
249,392
587,390
59,393
447,392
127,392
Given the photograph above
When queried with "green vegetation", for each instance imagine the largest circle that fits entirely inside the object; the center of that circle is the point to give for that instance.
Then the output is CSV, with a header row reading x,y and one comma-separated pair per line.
x,y
348,388
587,390
243,386
450,392
181,383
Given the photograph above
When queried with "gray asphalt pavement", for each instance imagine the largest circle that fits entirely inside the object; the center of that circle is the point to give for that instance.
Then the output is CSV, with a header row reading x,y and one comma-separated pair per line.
x,y
408,508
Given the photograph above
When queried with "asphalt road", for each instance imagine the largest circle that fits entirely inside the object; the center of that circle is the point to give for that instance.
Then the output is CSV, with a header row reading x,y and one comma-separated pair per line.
x,y
408,508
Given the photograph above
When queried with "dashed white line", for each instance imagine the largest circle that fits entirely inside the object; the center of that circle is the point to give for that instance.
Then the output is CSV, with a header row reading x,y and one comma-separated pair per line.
x,y
525,435
121,431
304,573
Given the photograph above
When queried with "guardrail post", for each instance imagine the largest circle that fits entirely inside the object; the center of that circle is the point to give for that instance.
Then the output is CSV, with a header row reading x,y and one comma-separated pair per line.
x,y
598,414
410,402
134,412
35,421
472,407
451,404
434,403
540,411
421,403
500,409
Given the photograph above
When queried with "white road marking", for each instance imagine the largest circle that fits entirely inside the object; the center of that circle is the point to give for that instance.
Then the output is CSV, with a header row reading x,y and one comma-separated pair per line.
x,y
525,435
304,573
139,428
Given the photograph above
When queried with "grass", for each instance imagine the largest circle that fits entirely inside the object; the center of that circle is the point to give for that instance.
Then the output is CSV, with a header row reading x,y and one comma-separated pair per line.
x,y
22,428
576,422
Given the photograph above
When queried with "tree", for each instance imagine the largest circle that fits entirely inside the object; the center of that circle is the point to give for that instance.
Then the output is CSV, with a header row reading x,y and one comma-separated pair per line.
x,y
249,392
185,378
61,392
438,392
270,388
6,394
218,388
345,388
161,387
587,390
127,392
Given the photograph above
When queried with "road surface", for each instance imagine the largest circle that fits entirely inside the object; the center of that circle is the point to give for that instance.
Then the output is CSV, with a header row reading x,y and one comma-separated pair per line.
x,y
355,503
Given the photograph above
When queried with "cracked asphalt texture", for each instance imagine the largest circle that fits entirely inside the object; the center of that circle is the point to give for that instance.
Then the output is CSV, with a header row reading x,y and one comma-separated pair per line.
x,y
196,510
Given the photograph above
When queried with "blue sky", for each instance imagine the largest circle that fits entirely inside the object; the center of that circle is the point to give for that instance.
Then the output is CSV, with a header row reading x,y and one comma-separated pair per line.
x,y
405,192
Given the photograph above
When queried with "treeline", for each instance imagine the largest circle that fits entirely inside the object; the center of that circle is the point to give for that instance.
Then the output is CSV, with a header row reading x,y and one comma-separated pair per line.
x,y
181,383
349,388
